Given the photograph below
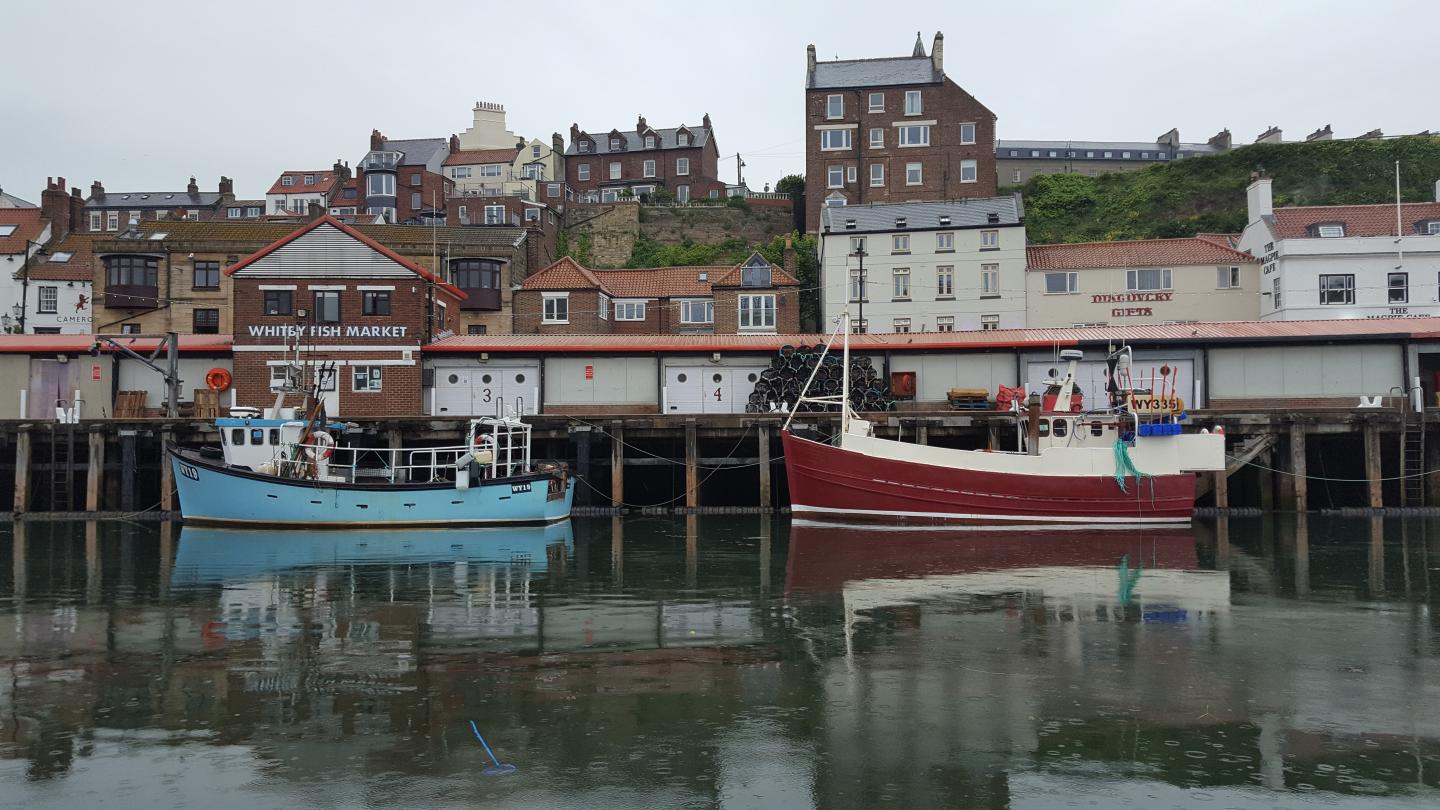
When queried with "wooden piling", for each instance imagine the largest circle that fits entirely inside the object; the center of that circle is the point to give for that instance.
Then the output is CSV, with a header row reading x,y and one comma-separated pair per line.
x,y
1377,557
127,470
22,470
763,431
617,464
1297,468
1222,488
617,552
1302,555
94,470
1373,477
167,473
582,464
692,476
93,571
1265,480
922,432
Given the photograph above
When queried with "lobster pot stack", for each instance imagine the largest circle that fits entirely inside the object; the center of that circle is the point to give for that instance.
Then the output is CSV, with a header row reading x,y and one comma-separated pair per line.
x,y
779,385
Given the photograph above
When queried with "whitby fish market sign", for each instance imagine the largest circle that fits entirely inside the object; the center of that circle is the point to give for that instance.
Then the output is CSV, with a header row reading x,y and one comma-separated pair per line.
x,y
328,331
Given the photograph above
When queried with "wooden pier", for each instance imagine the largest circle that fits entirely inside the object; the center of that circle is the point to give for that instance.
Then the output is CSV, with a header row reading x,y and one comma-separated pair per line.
x,y
1281,460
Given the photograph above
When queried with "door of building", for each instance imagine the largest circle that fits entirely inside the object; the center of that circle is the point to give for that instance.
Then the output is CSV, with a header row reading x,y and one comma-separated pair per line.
x,y
49,381
708,389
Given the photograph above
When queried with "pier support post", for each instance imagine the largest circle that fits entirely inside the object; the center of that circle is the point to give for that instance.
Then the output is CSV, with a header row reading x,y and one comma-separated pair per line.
x,y
1373,477
93,571
22,471
617,464
1377,557
393,441
1222,489
692,477
582,464
94,470
1265,480
167,474
1302,555
762,429
127,470
922,431
1297,468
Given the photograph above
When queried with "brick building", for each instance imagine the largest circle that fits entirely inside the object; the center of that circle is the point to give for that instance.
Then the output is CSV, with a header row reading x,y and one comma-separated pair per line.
x,y
354,304
113,212
893,130
683,161
168,276
293,192
401,180
569,299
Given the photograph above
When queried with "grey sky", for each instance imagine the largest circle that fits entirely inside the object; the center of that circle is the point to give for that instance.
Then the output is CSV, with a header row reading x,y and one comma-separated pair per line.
x,y
142,95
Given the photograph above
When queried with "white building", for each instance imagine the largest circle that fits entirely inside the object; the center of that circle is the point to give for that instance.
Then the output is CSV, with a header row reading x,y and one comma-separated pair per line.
x,y
295,191
488,160
1344,261
925,267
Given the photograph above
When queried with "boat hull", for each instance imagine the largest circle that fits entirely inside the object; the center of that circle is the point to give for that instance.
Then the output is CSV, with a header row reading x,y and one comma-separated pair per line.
x,y
212,493
837,484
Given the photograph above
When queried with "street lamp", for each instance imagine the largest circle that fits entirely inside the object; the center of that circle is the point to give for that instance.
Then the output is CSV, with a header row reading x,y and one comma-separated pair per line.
x,y
860,254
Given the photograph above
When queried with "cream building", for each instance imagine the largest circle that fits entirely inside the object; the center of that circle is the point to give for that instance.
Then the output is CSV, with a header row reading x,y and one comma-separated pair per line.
x,y
925,267
1139,282
488,160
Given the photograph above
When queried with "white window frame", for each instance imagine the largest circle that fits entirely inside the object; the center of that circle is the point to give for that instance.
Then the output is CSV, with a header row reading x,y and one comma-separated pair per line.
x,y
682,193
989,323
835,140
95,220
604,309
850,174
366,379
551,305
835,176
112,220
1133,279
900,284
1330,231
532,214
47,300
1227,278
945,323
1346,290
989,281
1391,287
900,326
287,180
914,103
682,165
629,309
385,182
705,307
967,134
491,170
917,171
969,171
495,215
855,286
877,137
1071,283
582,172
615,170
1432,228
913,135
945,281
647,168
900,243
877,174
989,240
649,141
944,242
834,106
871,106
750,317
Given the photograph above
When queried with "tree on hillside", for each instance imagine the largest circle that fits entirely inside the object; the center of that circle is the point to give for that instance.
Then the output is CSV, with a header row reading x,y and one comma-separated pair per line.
x,y
791,184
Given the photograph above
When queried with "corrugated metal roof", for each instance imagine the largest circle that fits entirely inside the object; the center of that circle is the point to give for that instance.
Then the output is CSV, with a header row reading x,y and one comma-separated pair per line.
x,y
875,72
80,344
1131,253
920,216
1189,333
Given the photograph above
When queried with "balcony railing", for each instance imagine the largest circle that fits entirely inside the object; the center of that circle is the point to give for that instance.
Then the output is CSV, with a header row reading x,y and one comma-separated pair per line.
x,y
485,299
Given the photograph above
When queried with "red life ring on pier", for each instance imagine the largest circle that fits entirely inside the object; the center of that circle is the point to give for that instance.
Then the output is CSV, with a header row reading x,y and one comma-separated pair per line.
x,y
217,379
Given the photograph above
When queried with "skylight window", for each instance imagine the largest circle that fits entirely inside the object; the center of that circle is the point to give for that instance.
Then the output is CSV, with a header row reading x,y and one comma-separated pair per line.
x,y
61,256
158,235
6,230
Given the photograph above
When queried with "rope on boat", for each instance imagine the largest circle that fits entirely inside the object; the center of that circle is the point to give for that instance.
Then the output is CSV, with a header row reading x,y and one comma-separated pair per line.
x,y
1125,466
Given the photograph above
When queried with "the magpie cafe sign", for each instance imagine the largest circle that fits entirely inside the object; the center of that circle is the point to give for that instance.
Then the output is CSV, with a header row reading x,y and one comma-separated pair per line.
x,y
328,330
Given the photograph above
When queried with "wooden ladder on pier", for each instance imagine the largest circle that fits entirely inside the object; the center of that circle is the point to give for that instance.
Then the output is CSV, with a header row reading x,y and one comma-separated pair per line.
x,y
1412,457
62,467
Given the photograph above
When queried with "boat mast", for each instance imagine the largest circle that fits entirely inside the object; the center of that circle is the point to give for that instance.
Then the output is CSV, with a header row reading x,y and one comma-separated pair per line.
x,y
845,373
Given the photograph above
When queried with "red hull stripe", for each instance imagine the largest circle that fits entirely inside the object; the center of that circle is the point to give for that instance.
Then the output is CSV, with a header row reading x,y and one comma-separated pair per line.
x,y
853,486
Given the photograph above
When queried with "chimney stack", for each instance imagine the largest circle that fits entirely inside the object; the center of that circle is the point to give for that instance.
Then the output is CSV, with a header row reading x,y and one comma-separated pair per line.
x,y
1373,134
705,121
227,186
1221,140
96,190
377,141
788,257
1258,197
639,124
937,53
55,207
1170,139
557,143
342,175
454,143
1322,134
809,62
1271,135
192,188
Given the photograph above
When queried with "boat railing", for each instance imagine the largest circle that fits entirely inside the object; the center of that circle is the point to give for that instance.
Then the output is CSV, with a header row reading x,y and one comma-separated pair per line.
x,y
324,461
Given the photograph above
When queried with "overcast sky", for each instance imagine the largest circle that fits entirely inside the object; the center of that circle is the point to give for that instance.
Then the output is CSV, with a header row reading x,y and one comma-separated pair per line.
x,y
142,95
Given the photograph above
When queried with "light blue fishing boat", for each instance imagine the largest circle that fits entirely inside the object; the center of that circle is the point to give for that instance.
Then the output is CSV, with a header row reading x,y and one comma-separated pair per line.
x,y
295,472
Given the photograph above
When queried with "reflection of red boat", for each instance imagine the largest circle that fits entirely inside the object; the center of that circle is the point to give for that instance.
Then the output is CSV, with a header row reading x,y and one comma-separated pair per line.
x,y
825,557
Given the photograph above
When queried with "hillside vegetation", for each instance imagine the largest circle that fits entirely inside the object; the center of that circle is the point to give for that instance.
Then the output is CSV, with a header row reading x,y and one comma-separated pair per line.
x,y
1208,193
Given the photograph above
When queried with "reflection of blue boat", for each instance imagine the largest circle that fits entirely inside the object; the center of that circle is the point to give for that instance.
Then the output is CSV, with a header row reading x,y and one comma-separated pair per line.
x,y
216,555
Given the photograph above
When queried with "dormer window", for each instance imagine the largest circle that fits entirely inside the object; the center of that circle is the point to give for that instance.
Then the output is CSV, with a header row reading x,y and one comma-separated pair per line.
x,y
649,141
682,139
900,222
614,144
582,146
309,179
849,224
1331,231
755,273
287,180
944,219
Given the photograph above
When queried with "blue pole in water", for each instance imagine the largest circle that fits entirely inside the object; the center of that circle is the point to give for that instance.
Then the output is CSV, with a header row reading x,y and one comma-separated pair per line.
x,y
476,729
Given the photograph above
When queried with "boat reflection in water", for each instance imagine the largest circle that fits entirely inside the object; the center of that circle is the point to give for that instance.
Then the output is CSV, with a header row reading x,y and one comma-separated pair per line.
x,y
212,555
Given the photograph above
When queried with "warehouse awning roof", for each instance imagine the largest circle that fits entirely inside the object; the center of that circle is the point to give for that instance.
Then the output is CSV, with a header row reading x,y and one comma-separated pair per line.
x,y
80,344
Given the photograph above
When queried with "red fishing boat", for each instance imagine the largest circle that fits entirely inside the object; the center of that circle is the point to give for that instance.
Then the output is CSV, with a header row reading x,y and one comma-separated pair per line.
x,y
1123,464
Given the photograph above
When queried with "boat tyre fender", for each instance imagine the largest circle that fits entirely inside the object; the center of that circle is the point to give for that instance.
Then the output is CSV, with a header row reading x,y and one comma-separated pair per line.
x,y
217,379
326,444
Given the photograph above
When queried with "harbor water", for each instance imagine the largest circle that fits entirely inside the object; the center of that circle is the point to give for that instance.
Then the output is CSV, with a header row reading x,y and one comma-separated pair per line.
x,y
722,661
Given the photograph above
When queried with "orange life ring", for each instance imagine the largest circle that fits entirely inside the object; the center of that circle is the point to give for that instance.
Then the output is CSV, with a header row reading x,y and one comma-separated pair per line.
x,y
217,379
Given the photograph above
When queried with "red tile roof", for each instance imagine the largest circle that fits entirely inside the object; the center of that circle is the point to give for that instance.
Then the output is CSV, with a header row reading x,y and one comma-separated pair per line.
x,y
324,181
1359,220
80,344
79,267
1131,253
650,282
1229,240
28,225
475,157
349,230
1185,334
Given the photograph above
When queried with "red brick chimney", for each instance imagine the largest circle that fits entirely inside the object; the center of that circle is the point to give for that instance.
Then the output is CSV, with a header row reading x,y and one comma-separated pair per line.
x,y
377,141
640,124
192,188
788,257
55,207
227,186
454,143
96,190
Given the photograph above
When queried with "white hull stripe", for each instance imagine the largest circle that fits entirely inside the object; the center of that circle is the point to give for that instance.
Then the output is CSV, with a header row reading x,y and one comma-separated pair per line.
x,y
798,507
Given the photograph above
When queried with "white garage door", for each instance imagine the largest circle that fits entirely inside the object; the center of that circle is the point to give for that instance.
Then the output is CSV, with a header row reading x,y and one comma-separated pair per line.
x,y
1090,377
709,389
479,390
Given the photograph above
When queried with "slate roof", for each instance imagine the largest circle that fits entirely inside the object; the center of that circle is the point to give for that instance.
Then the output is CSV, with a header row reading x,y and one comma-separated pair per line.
x,y
324,181
652,282
418,151
1359,220
921,216
1002,148
222,230
145,200
634,142
874,73
1131,253
28,225
11,201
79,267
476,157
